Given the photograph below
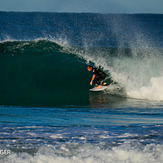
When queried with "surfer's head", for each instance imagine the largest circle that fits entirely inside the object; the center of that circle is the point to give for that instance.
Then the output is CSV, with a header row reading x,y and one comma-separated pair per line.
x,y
89,68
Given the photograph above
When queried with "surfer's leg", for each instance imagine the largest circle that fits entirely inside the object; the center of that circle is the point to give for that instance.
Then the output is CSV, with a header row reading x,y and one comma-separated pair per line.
x,y
99,79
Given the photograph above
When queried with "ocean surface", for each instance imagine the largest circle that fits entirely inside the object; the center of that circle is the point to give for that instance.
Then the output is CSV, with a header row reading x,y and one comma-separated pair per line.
x,y
48,114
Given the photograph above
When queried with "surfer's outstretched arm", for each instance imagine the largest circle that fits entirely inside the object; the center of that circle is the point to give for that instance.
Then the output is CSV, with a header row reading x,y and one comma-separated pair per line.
x,y
93,77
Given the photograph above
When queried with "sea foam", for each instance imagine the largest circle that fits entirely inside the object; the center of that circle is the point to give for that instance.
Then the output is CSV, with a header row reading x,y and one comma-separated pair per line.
x,y
77,153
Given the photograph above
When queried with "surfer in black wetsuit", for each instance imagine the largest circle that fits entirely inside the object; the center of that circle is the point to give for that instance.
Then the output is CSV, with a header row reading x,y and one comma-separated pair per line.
x,y
98,76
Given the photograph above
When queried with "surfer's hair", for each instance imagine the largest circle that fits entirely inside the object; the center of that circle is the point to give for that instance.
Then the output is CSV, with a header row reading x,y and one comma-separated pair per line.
x,y
89,66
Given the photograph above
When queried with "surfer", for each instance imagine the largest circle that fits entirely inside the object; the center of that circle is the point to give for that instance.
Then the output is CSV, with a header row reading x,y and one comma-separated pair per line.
x,y
98,76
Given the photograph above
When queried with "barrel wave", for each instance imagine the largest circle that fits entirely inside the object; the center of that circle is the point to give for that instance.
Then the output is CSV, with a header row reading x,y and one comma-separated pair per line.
x,y
43,57
48,114
39,73
47,73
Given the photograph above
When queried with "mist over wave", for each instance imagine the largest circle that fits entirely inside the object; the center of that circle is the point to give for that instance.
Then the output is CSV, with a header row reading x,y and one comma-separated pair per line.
x,y
53,51
136,71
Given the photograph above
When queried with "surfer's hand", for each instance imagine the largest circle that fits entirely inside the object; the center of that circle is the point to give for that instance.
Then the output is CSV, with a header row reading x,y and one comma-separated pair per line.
x,y
91,83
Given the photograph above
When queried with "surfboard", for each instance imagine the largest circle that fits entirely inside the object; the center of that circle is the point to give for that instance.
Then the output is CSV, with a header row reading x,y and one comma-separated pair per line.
x,y
99,89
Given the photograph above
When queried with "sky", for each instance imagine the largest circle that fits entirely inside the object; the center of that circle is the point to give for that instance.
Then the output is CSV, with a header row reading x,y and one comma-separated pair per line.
x,y
95,6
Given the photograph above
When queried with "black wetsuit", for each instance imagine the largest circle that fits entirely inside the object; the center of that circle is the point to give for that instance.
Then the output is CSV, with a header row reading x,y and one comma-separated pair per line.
x,y
99,75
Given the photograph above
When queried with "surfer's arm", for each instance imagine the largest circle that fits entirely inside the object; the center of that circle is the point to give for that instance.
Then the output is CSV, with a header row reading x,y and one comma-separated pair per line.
x,y
93,77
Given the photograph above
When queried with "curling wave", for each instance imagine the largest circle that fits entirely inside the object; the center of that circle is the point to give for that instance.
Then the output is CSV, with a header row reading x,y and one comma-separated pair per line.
x,y
43,72
40,73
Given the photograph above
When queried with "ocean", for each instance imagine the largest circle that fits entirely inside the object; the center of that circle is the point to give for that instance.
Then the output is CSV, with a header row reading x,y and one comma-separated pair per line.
x,y
48,114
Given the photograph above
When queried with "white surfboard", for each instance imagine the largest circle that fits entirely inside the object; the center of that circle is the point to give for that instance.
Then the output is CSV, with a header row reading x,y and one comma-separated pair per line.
x,y
99,89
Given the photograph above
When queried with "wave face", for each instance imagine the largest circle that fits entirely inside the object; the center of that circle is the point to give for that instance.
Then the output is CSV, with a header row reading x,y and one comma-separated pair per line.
x,y
43,56
38,72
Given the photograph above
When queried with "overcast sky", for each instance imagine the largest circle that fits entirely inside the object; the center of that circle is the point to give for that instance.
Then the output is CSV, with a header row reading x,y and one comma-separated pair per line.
x,y
97,6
